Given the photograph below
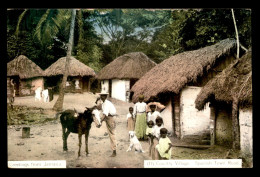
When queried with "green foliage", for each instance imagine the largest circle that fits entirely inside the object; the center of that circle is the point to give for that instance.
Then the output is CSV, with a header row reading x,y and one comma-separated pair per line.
x,y
42,35
127,29
191,29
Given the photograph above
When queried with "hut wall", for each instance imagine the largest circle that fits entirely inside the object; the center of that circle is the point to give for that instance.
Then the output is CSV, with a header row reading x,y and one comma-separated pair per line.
x,y
167,115
37,82
193,122
223,126
119,88
246,132
105,85
74,84
25,86
9,89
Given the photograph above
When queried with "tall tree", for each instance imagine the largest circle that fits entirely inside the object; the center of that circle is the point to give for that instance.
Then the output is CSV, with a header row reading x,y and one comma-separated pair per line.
x,y
120,26
59,103
191,29
49,25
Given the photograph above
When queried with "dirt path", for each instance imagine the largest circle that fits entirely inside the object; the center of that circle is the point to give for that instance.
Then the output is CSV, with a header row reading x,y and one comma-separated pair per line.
x,y
45,142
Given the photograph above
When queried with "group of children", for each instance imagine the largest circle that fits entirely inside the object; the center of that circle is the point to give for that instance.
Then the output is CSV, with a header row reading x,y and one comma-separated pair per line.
x,y
159,144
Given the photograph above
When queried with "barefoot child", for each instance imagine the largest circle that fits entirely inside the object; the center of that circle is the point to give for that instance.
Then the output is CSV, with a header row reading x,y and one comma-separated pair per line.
x,y
156,137
149,130
130,124
164,147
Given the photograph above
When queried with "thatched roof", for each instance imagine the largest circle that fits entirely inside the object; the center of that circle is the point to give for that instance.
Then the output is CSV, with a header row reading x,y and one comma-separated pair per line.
x,y
174,73
233,82
23,67
76,68
128,66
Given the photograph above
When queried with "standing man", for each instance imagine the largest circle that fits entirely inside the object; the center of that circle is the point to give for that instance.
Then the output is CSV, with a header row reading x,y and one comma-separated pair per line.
x,y
109,111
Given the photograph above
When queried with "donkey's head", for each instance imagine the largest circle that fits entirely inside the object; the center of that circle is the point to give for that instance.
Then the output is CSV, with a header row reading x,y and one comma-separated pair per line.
x,y
95,115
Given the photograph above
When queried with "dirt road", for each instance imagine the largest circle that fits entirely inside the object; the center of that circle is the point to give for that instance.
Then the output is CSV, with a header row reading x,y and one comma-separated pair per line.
x,y
45,142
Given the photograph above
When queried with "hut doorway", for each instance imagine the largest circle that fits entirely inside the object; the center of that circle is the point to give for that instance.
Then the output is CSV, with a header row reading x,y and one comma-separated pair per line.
x,y
16,82
85,84
110,87
132,83
53,82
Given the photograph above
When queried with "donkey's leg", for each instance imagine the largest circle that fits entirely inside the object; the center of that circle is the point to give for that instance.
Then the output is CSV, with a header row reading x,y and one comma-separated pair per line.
x,y
86,140
64,139
80,137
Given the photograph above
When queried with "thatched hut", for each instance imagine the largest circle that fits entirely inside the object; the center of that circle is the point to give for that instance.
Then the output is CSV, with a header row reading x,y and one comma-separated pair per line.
x,y
177,81
79,75
230,94
118,77
26,75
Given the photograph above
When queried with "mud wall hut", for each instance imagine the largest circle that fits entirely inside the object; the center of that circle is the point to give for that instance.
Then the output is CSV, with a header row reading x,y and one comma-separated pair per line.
x,y
26,76
118,77
229,94
178,80
79,75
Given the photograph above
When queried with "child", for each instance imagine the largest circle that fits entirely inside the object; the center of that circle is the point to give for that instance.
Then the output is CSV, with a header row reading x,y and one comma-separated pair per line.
x,y
130,124
149,130
156,137
164,148
153,114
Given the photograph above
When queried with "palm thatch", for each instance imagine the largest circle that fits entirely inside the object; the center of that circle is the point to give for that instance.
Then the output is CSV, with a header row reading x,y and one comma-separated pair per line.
x,y
128,66
76,68
233,82
174,73
23,67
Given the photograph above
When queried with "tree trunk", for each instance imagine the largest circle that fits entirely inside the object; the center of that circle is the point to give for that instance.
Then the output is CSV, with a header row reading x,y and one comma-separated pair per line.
x,y
59,103
235,125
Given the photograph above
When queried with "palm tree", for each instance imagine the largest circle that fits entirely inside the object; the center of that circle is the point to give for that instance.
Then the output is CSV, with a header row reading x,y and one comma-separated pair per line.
x,y
59,103
51,22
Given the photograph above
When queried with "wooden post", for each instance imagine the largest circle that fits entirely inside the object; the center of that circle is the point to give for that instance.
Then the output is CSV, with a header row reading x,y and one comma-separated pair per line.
x,y
235,125
173,115
26,132
89,85
176,110
212,126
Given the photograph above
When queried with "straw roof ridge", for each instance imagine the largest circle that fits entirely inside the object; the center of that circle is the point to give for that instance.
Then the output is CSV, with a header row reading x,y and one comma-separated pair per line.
x,y
128,66
24,68
172,74
76,68
234,82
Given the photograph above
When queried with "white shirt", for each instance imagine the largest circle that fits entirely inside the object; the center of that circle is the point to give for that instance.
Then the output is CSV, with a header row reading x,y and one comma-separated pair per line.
x,y
139,107
153,116
108,108
128,116
156,131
